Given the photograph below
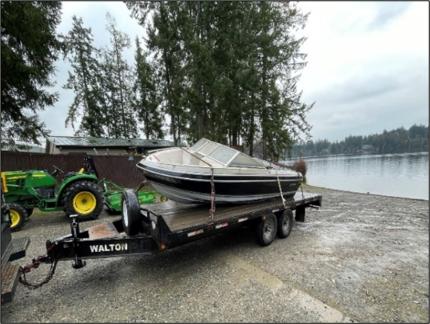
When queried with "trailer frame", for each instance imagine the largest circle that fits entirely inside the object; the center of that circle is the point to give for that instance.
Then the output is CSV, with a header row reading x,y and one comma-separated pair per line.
x,y
159,233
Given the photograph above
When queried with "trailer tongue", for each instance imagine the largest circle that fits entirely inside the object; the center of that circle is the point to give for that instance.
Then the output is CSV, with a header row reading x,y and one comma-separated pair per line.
x,y
157,227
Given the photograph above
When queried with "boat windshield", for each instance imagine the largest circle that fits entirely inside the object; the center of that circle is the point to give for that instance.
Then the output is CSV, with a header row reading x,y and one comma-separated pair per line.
x,y
224,154
245,161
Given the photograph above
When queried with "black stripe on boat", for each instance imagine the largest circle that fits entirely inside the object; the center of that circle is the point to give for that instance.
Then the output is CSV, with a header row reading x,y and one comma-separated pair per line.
x,y
235,187
217,178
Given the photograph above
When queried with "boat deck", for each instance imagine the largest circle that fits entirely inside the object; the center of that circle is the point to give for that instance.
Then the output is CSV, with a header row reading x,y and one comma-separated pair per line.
x,y
179,216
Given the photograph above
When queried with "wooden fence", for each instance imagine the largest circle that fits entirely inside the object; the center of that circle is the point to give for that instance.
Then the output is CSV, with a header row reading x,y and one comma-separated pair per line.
x,y
119,169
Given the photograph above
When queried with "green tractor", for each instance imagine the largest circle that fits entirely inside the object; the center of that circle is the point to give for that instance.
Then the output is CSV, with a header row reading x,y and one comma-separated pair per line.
x,y
78,193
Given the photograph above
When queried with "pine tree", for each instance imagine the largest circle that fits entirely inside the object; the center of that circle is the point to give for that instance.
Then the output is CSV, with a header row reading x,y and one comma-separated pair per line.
x,y
281,112
83,80
229,70
165,41
147,100
29,48
116,83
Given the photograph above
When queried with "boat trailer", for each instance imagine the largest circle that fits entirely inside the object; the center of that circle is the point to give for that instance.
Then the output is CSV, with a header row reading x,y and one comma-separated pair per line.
x,y
155,228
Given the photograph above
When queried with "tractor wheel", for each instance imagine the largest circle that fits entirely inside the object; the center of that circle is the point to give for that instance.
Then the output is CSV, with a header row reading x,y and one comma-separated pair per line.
x,y
29,212
18,215
83,198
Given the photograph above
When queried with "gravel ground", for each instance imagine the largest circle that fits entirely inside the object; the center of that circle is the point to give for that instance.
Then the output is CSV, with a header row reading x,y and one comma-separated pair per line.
x,y
360,258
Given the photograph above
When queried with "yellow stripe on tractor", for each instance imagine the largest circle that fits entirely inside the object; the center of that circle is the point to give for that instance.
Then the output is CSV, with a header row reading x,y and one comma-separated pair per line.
x,y
3,182
17,177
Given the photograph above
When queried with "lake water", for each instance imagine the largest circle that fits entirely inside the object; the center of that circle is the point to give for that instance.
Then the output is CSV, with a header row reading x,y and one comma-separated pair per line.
x,y
400,175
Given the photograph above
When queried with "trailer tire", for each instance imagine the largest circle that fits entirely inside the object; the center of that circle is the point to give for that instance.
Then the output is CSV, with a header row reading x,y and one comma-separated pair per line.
x,y
285,223
266,229
17,215
84,198
131,216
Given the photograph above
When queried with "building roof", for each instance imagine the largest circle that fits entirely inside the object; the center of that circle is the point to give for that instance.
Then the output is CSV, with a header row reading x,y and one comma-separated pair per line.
x,y
23,147
65,141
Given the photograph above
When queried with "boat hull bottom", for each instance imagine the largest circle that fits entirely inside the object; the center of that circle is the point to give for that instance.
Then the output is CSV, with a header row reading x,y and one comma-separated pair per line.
x,y
192,197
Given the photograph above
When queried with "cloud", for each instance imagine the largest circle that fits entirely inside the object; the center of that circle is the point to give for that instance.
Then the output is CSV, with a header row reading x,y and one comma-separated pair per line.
x,y
365,79
386,12
360,88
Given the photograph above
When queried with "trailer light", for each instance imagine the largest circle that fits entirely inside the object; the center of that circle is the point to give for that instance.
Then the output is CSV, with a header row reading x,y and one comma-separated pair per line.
x,y
240,220
200,231
162,246
221,225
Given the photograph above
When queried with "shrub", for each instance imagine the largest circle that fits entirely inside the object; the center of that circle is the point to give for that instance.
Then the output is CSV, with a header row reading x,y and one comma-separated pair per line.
x,y
300,166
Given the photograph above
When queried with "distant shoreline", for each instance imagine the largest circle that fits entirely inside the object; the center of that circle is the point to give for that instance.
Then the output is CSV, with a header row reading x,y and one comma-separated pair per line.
x,y
350,155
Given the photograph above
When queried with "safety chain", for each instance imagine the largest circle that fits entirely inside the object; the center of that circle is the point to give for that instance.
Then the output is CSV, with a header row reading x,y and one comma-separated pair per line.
x,y
34,265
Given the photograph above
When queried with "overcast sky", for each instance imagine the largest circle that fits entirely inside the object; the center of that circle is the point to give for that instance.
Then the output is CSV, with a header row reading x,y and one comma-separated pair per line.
x,y
367,64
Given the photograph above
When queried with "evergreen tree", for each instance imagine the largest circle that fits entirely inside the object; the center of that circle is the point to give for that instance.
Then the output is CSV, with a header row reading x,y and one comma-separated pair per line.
x,y
146,96
282,113
83,80
229,70
29,48
164,40
398,140
116,80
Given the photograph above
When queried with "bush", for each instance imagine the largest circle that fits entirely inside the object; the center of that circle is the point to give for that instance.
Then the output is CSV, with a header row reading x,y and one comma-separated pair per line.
x,y
300,166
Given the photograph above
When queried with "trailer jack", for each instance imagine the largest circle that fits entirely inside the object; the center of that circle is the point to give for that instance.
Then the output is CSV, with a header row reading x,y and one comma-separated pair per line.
x,y
74,227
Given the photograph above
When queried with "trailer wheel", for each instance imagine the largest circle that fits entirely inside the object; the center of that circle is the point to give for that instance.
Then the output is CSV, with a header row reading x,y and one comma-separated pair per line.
x,y
285,223
131,216
266,230
17,215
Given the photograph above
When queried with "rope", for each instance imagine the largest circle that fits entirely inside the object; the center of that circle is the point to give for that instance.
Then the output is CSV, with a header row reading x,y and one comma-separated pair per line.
x,y
212,210
303,195
280,191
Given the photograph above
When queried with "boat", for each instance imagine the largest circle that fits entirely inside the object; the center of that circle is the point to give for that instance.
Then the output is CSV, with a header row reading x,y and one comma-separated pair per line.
x,y
209,171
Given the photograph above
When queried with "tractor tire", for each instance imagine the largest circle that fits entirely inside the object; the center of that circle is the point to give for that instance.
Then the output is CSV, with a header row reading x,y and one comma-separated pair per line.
x,y
29,212
131,217
18,215
84,198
